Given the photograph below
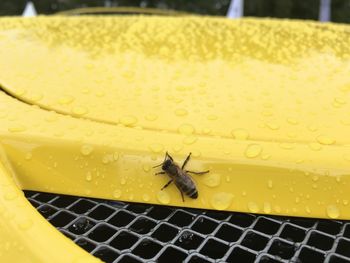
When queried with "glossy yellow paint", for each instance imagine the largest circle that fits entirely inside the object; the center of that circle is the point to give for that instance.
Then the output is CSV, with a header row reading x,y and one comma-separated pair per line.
x,y
262,104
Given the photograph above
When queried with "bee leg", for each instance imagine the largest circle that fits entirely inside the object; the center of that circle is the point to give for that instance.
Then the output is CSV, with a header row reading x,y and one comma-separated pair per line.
x,y
192,172
186,161
159,173
167,154
167,184
182,196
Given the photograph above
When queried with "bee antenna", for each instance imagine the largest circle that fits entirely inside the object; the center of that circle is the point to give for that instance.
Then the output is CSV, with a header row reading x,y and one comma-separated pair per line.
x,y
157,165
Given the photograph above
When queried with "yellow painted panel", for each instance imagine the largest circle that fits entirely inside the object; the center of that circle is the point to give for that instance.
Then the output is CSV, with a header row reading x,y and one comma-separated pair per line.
x,y
262,104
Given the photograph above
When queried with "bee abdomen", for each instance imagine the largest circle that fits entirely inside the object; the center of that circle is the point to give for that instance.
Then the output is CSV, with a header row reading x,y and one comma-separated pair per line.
x,y
190,191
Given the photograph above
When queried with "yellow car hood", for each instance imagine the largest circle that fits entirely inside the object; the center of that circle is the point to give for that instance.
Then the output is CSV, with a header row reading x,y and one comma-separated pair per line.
x,y
90,104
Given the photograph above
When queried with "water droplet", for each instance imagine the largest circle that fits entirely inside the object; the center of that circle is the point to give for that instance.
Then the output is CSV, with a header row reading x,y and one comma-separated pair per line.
x,y
286,145
181,112
79,110
323,139
17,128
117,193
212,179
269,184
212,117
196,153
178,147
65,100
272,126
29,156
107,158
123,181
100,94
191,139
277,209
265,156
146,197
314,186
253,150
115,156
332,211
163,197
146,168
228,178
253,207
206,130
338,178
297,200
240,134
10,195
345,202
128,120
151,117
186,129
86,149
308,210
292,121
221,201
315,146
156,147
25,224
315,178
88,176
267,208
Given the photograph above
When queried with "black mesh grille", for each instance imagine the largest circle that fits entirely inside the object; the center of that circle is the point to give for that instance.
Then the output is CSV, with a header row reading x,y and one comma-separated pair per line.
x,y
129,232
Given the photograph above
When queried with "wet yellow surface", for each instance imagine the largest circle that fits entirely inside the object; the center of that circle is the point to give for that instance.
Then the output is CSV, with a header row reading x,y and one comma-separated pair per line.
x,y
262,104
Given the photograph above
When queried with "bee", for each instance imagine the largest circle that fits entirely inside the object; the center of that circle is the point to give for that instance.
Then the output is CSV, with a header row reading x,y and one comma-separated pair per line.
x,y
179,176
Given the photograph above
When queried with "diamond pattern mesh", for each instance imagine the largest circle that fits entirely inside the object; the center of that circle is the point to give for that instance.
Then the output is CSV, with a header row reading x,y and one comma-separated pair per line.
x,y
129,232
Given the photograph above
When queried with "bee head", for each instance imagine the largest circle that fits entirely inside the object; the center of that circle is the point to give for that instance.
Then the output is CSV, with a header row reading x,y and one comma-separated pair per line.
x,y
166,164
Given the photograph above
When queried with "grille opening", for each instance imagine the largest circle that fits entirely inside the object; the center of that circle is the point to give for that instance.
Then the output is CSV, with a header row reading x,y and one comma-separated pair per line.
x,y
343,247
243,220
160,213
310,255
85,244
101,212
46,210
44,197
142,225
101,233
106,254
336,259
303,222
347,231
267,226
217,215
254,241
34,203
293,233
147,249
129,259
165,233
267,259
61,219
320,241
64,201
121,219
330,227
170,254
282,249
228,233
197,259
81,226
214,249
138,208
124,240
82,206
204,225
189,240
181,219
241,255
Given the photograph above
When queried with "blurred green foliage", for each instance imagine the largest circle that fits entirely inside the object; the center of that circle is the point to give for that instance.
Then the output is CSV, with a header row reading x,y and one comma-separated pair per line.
x,y
301,9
